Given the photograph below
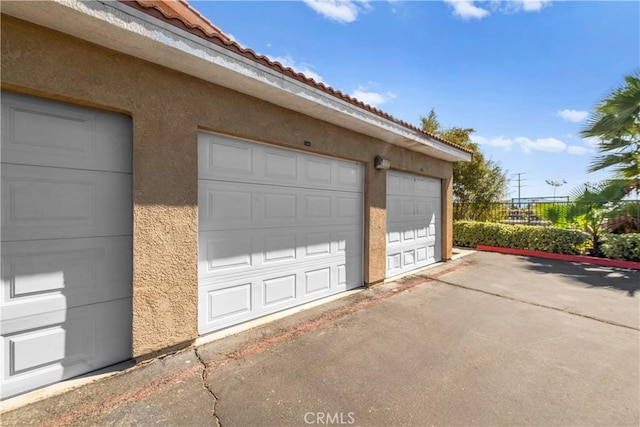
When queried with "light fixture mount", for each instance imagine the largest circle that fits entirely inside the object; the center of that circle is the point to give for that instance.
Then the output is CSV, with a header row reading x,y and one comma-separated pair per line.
x,y
382,163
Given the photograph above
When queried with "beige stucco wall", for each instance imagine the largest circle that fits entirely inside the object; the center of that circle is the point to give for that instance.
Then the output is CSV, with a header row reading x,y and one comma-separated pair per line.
x,y
168,108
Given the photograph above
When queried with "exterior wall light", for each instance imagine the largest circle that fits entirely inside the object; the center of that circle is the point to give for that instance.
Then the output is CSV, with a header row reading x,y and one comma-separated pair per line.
x,y
382,163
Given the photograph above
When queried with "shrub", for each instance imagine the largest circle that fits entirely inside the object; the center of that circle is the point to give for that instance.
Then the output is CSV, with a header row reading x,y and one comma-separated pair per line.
x,y
622,246
471,234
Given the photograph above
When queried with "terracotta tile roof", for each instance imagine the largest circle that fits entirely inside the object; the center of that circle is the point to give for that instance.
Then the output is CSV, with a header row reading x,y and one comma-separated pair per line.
x,y
184,12
182,15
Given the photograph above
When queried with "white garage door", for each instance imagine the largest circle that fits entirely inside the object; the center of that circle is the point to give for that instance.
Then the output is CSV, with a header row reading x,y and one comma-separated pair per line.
x,y
277,228
66,241
414,216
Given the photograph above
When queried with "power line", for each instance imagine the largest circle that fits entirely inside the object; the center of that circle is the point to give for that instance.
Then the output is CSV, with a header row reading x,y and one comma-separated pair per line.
x,y
519,174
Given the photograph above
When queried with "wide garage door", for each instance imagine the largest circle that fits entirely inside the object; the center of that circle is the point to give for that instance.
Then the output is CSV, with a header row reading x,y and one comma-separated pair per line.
x,y
66,241
414,217
277,228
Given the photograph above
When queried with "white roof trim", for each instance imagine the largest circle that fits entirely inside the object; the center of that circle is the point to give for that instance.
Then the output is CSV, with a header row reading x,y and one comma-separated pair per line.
x,y
125,29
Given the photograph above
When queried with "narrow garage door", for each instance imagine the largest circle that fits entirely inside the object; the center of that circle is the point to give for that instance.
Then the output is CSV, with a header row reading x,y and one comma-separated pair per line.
x,y
277,228
414,209
66,241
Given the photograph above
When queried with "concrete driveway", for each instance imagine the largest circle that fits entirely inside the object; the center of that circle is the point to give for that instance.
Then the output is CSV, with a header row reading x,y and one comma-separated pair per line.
x,y
486,340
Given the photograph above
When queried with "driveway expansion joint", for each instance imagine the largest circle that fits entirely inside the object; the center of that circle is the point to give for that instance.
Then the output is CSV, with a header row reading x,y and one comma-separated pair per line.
x,y
563,310
205,384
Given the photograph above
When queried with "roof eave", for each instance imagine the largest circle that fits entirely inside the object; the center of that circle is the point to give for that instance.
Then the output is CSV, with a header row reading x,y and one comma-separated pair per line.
x,y
122,28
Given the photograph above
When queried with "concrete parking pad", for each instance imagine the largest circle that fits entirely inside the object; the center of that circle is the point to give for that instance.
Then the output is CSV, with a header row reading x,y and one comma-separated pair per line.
x,y
488,340
441,355
606,293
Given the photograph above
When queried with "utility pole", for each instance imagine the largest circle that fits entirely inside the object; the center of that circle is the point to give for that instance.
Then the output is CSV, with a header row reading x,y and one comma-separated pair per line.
x,y
519,174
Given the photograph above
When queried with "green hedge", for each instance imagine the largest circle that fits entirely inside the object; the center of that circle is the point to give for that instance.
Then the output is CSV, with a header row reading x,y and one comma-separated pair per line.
x,y
547,239
622,246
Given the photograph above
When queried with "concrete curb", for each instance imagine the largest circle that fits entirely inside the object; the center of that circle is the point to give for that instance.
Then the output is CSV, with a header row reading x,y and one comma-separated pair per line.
x,y
562,257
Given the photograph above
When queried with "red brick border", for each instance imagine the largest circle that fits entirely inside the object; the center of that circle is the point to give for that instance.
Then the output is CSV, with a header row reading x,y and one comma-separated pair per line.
x,y
562,257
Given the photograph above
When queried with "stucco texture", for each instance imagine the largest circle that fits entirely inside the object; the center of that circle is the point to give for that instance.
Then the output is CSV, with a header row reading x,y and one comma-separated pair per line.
x,y
168,109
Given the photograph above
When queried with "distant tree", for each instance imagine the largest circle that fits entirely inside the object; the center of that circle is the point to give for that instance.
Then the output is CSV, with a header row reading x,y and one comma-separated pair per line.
x,y
479,182
615,122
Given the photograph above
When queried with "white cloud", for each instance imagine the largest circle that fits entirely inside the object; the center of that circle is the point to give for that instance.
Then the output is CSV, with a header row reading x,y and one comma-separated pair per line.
x,y
466,9
364,94
344,11
302,67
579,149
498,141
528,145
470,9
533,5
575,116
551,145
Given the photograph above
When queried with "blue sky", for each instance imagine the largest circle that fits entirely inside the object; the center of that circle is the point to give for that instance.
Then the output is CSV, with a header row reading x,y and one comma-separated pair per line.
x,y
524,74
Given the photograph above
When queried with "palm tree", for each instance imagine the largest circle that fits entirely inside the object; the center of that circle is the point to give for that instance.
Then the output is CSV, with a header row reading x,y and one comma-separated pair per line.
x,y
616,124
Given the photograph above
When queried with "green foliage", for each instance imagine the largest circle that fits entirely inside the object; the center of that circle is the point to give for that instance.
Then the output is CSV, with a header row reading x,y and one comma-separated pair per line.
x,y
593,224
616,124
547,239
562,215
595,201
479,182
622,246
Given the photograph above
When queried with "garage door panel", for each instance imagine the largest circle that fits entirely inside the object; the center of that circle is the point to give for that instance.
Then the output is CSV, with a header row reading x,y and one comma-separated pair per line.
x,y
48,275
66,241
408,235
280,165
46,133
271,269
229,205
231,301
225,252
349,177
231,252
225,206
318,244
228,159
49,203
409,258
351,267
278,290
318,280
277,228
317,207
348,242
317,170
421,254
394,184
413,222
83,341
278,248
240,298
279,206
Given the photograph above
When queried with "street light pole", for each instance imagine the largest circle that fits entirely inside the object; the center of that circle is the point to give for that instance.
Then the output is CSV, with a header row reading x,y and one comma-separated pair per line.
x,y
555,185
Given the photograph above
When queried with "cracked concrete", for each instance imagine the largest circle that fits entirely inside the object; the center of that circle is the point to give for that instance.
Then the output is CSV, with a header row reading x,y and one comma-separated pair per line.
x,y
464,343
437,354
206,386
154,393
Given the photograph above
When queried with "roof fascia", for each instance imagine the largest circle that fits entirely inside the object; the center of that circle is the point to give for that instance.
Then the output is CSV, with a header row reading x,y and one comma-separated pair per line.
x,y
128,30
